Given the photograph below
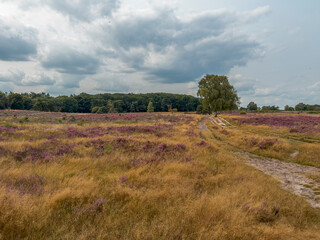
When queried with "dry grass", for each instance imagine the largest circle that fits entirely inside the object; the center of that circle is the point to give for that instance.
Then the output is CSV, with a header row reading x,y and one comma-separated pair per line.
x,y
106,188
282,146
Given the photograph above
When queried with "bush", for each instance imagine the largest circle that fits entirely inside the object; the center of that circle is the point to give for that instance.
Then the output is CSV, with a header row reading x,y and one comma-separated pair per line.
x,y
95,109
199,109
102,110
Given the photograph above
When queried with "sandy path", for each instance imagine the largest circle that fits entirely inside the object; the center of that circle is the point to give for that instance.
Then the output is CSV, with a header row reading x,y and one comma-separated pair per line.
x,y
294,177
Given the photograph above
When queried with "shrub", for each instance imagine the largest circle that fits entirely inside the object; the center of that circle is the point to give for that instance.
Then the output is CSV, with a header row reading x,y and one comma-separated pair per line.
x,y
95,109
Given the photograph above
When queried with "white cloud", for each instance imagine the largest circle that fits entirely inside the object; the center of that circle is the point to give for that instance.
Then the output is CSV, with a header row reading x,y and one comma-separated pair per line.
x,y
118,48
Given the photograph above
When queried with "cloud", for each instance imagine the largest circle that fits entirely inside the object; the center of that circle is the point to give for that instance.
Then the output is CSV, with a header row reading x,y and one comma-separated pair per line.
x,y
84,10
12,76
20,78
120,49
80,10
108,85
37,79
65,59
17,42
173,50
243,85
250,16
68,81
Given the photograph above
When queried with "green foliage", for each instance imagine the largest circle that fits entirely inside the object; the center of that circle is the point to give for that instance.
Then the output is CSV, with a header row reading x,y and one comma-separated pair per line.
x,y
252,106
47,104
27,102
95,109
150,107
200,109
23,120
216,94
307,107
288,108
15,101
134,107
85,103
173,110
3,101
102,110
67,104
110,107
300,107
270,108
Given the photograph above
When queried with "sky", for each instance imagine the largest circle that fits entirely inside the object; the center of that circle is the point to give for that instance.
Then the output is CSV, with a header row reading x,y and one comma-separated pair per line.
x,y
269,49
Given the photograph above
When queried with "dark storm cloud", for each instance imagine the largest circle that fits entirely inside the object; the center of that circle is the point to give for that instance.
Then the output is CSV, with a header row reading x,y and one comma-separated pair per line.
x,y
70,61
203,44
17,43
154,45
213,56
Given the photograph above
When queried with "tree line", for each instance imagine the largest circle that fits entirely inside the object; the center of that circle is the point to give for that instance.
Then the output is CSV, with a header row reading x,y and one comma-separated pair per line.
x,y
252,106
99,103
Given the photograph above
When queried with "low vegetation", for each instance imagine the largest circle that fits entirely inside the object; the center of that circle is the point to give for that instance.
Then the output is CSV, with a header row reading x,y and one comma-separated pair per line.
x,y
288,137
138,176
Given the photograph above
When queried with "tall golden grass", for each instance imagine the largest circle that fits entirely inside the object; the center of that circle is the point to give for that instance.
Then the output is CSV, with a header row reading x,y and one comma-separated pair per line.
x,y
285,147
200,192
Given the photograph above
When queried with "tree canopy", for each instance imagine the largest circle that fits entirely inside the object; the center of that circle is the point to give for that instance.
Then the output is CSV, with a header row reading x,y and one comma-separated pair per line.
x,y
216,94
252,106
98,103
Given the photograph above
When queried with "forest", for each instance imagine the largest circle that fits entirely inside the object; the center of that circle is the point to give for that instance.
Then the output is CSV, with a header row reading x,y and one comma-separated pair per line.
x,y
98,103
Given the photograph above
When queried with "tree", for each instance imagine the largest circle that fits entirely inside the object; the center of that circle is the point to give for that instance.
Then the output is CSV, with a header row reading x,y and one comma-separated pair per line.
x,y
150,107
84,103
252,106
67,104
110,107
27,102
47,104
288,108
216,94
300,107
3,100
15,101
118,106
200,110
270,108
134,107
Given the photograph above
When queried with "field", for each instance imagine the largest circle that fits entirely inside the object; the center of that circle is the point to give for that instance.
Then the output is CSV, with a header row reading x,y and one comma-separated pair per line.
x,y
288,137
152,176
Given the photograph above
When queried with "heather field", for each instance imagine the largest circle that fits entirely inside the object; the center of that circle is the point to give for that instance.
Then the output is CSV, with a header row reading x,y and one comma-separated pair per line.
x,y
288,137
151,176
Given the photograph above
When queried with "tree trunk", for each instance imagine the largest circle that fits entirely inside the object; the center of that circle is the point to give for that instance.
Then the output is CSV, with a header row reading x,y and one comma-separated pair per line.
x,y
216,114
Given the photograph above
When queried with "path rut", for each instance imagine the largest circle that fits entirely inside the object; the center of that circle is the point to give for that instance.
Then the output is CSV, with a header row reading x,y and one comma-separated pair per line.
x,y
293,177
